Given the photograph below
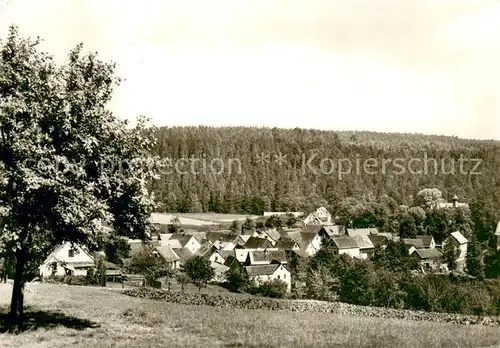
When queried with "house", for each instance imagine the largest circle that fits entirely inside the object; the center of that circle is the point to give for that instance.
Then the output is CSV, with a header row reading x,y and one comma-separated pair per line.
x,y
184,255
221,245
264,273
263,234
220,272
379,241
185,241
265,257
427,240
344,245
220,236
168,255
453,205
332,231
460,242
241,239
273,234
258,243
310,243
366,247
320,217
415,242
287,245
351,232
209,252
429,259
66,259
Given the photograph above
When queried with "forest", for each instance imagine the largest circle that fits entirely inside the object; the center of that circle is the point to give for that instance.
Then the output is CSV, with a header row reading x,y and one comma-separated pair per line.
x,y
254,180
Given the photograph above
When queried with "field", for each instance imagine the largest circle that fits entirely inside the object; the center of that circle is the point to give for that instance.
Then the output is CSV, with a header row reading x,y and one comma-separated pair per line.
x,y
64,316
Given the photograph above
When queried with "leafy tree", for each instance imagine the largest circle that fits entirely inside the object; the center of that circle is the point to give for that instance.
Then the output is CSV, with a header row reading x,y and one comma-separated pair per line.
x,y
182,279
473,259
234,226
66,162
273,221
117,249
248,225
357,283
236,279
429,198
394,258
492,264
199,271
290,221
450,253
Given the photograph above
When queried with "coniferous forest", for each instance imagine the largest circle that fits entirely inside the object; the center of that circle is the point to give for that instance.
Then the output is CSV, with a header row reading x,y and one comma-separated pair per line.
x,y
238,169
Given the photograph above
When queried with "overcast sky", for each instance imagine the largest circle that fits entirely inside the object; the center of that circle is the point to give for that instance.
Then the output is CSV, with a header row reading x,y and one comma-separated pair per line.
x,y
423,66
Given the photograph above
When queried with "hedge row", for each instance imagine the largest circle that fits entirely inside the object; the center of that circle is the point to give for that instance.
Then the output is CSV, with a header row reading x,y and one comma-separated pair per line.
x,y
338,308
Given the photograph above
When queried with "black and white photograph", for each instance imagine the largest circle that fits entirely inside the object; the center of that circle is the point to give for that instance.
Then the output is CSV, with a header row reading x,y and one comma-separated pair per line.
x,y
249,173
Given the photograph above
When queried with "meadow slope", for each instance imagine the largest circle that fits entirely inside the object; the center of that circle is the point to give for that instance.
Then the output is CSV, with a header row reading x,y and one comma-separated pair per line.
x,y
93,317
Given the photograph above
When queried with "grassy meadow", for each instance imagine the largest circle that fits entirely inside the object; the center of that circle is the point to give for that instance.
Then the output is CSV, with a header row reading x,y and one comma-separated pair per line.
x,y
66,316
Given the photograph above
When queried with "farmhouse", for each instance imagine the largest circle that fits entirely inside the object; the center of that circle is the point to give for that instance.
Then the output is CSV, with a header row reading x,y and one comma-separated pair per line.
x,y
415,242
266,257
287,245
427,240
258,243
380,241
169,256
184,255
460,242
351,232
210,252
344,245
184,240
366,247
331,231
263,273
320,217
429,259
310,242
67,259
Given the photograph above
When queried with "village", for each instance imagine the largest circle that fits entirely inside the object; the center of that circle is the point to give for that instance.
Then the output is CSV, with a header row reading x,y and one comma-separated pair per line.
x,y
262,253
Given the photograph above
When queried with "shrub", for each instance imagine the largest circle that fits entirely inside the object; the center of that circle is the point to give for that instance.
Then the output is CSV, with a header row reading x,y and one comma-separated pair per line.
x,y
274,289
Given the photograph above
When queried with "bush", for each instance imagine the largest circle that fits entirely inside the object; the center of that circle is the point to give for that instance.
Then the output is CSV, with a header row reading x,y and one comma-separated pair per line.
x,y
274,289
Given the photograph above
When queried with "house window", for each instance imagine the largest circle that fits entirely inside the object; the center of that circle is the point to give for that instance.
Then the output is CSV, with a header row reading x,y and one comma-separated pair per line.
x,y
216,258
284,276
279,277
71,252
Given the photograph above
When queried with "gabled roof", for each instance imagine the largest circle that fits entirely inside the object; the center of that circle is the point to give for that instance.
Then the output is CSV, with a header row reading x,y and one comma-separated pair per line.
x,y
417,243
184,254
230,260
136,246
378,240
428,253
167,253
273,234
287,245
206,250
226,253
173,243
364,242
459,237
267,256
361,231
345,242
182,238
256,242
220,236
426,239
333,230
311,229
259,270
243,237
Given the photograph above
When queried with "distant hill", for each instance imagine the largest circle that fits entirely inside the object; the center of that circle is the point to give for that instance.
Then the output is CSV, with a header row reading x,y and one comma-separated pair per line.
x,y
254,179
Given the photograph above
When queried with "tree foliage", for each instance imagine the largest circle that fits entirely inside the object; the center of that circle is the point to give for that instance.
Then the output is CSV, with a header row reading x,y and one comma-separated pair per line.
x,y
199,271
66,162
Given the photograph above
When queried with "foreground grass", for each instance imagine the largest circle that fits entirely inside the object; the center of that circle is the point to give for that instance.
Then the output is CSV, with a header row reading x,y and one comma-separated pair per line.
x,y
93,317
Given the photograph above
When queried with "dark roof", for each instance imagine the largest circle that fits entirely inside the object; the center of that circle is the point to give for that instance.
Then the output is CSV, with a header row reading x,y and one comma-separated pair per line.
x,y
273,234
259,270
363,242
361,231
167,253
206,250
184,254
345,242
313,229
268,255
378,240
220,236
426,239
256,242
286,245
417,243
226,253
333,230
230,260
182,238
428,253
136,247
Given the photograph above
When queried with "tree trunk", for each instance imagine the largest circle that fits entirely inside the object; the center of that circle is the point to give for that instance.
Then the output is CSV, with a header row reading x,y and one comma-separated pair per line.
x,y
17,300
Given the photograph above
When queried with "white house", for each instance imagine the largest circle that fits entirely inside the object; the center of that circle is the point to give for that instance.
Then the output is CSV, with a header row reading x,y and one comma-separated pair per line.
x,y
345,245
265,273
67,259
497,234
320,217
187,241
366,247
460,243
427,240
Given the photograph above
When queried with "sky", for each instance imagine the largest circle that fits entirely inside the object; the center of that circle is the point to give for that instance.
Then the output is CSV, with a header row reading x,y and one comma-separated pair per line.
x,y
416,66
